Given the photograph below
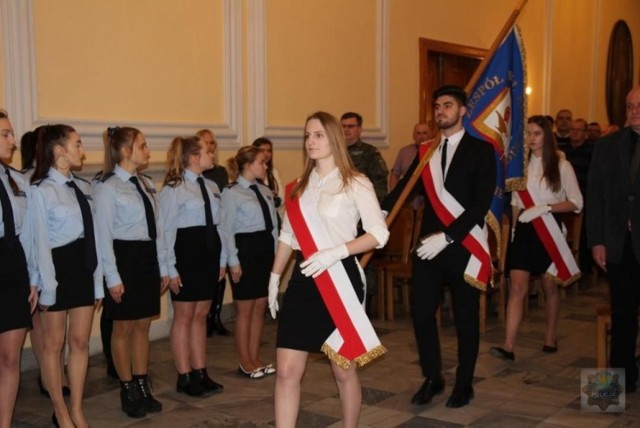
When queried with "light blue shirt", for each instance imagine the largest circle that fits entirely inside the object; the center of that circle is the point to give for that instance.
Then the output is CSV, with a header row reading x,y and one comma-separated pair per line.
x,y
242,214
120,215
183,206
56,220
19,204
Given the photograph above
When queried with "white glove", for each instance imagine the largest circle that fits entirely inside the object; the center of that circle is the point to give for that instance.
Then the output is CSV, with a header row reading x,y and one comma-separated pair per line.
x,y
432,245
274,288
533,213
323,260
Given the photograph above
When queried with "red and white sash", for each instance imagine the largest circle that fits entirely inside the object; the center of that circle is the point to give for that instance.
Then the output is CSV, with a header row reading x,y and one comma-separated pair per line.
x,y
354,338
447,208
563,269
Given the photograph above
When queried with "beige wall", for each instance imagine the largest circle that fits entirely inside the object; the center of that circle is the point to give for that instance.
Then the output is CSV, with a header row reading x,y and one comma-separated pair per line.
x,y
251,67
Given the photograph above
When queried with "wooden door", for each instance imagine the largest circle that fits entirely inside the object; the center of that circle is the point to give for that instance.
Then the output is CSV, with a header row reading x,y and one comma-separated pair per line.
x,y
444,63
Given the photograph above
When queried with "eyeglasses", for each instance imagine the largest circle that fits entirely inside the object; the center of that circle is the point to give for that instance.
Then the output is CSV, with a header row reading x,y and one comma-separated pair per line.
x,y
349,126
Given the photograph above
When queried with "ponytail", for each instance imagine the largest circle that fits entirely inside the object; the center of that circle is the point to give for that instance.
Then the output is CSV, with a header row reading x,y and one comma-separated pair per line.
x,y
178,158
115,138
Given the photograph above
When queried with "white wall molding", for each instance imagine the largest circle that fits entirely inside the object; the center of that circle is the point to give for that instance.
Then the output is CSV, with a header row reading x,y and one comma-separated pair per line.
x,y
21,84
290,135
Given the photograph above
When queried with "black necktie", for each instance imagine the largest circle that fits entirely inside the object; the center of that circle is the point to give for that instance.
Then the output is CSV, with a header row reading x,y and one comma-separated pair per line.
x,y
443,157
265,208
148,210
87,222
208,216
7,214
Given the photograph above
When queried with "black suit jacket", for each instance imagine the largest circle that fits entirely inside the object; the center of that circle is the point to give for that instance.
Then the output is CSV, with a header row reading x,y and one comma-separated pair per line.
x,y
471,180
612,199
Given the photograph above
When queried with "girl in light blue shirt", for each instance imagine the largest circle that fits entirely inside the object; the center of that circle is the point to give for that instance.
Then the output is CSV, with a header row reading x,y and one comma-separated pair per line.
x,y
63,223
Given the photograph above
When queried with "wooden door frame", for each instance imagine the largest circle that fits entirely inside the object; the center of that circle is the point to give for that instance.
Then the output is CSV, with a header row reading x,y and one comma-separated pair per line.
x,y
428,46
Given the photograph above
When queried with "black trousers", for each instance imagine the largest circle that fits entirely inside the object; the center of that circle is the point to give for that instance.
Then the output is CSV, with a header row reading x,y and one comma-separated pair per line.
x,y
429,280
624,288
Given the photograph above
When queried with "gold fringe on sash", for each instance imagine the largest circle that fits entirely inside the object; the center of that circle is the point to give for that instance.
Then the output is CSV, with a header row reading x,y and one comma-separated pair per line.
x,y
562,283
360,361
474,282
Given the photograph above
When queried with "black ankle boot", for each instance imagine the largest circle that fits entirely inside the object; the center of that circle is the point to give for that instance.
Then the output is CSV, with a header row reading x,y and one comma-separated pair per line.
x,y
202,377
151,405
131,401
189,385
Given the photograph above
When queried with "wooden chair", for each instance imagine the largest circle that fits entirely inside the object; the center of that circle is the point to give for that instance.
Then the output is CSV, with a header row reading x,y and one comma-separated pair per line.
x,y
398,274
396,251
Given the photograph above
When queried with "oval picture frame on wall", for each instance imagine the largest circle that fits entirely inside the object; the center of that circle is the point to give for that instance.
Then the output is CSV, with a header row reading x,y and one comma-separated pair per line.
x,y
619,72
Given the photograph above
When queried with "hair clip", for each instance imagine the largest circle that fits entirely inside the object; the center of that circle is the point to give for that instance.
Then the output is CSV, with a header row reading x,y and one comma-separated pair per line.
x,y
111,131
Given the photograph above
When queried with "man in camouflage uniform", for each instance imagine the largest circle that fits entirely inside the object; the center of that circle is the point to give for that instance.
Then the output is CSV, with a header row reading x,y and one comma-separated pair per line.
x,y
365,157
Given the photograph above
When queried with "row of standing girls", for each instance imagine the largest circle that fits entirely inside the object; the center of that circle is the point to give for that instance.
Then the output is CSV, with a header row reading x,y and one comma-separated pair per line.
x,y
137,243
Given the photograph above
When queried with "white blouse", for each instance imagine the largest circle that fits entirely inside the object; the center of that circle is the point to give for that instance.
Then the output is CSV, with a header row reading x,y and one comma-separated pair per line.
x,y
340,209
569,189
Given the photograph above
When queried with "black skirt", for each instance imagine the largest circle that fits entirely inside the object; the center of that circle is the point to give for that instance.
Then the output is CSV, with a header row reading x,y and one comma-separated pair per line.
x,y
75,282
197,264
137,263
305,323
256,254
15,312
527,252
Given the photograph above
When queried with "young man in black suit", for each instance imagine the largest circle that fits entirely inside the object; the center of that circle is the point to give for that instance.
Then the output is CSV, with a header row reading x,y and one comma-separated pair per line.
x,y
441,258
613,232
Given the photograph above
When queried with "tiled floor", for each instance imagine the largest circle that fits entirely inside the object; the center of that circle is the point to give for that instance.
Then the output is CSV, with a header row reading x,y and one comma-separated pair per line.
x,y
537,390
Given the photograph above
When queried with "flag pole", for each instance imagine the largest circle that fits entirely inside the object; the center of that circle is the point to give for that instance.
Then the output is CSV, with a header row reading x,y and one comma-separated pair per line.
x,y
427,156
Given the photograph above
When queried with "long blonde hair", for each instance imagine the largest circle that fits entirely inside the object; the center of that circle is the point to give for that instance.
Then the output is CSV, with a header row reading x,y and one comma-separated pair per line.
x,y
178,158
338,146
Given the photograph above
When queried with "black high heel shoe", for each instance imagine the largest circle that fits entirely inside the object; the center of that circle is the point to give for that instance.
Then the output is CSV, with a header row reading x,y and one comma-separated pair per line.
x,y
43,390
66,391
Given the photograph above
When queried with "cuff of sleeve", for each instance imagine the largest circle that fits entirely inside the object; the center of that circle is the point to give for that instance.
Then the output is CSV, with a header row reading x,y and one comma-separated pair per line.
x,y
34,278
381,234
163,270
98,289
233,261
47,297
173,272
113,280
578,204
285,238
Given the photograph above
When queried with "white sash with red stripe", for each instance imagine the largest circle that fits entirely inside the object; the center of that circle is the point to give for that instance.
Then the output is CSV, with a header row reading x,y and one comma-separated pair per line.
x,y
563,269
354,338
447,208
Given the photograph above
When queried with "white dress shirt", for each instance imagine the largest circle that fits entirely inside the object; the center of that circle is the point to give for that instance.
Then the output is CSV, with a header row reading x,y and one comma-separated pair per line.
x,y
452,145
340,209
569,189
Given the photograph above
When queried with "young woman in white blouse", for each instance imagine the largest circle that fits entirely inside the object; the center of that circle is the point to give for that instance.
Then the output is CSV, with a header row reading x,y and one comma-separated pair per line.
x,y
550,177
337,197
